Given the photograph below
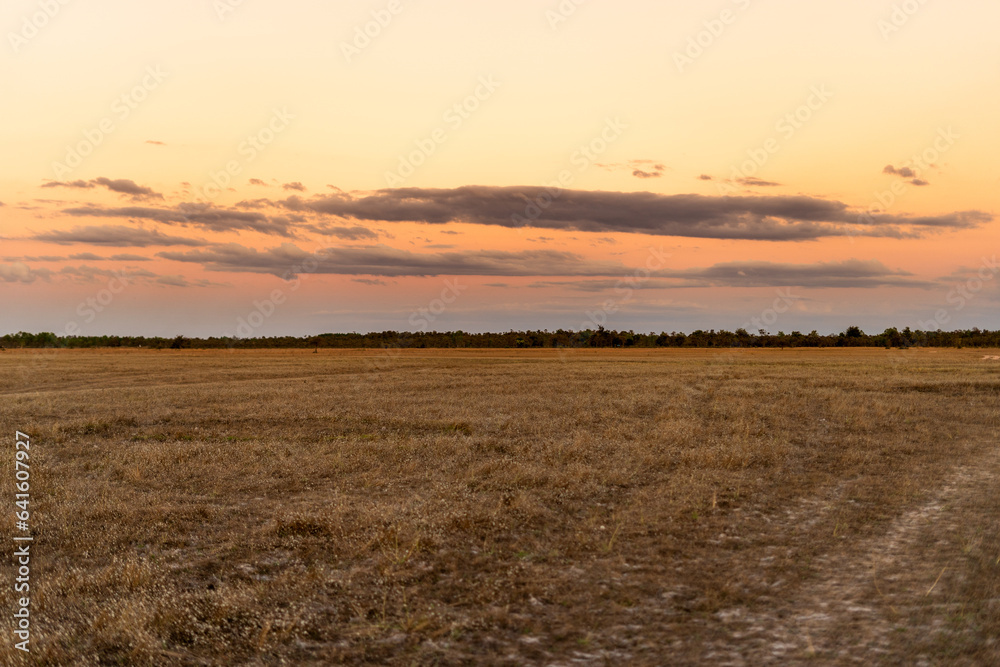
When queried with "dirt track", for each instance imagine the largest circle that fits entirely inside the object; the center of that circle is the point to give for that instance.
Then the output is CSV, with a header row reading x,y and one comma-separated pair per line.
x,y
888,599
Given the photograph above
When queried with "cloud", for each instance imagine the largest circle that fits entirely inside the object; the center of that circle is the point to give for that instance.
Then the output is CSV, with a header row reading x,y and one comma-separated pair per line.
x,y
705,177
756,182
294,186
155,143
905,172
19,272
257,181
91,257
121,186
288,260
181,281
356,233
370,281
851,273
68,184
640,168
115,236
39,258
128,187
773,218
84,273
206,216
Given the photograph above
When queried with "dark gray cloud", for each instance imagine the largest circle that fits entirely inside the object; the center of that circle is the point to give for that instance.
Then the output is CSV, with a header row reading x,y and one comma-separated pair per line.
x,y
294,186
905,172
115,236
643,169
774,218
68,184
181,281
91,257
705,177
128,187
355,233
257,181
205,216
379,260
121,186
751,181
851,273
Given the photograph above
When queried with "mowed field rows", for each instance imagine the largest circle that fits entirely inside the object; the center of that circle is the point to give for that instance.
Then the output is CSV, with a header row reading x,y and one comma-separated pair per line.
x,y
507,507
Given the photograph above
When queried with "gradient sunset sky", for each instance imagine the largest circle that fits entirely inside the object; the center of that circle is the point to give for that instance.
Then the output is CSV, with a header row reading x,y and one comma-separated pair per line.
x,y
175,168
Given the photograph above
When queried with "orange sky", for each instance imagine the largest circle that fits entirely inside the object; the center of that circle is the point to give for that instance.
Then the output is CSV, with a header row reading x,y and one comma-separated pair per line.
x,y
835,156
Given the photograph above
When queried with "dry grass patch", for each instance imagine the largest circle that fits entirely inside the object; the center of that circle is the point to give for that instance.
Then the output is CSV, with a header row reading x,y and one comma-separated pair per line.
x,y
506,508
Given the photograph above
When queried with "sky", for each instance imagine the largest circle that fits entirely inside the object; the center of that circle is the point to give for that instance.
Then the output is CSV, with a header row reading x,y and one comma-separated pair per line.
x,y
259,168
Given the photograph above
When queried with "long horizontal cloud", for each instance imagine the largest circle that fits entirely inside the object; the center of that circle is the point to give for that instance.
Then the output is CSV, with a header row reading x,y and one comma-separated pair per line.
x,y
851,273
123,186
205,216
288,261
379,260
775,218
115,237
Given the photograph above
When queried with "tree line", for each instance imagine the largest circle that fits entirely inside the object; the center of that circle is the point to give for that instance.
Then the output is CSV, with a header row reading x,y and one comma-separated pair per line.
x,y
603,338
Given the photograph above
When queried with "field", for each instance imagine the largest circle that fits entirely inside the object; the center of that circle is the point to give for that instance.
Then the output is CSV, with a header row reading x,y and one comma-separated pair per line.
x,y
507,507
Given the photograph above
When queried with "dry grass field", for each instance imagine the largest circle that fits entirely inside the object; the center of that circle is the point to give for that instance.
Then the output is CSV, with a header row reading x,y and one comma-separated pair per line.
x,y
507,507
